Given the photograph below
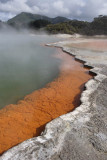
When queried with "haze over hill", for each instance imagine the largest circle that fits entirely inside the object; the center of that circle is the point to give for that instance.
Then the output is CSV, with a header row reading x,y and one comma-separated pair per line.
x,y
57,25
25,18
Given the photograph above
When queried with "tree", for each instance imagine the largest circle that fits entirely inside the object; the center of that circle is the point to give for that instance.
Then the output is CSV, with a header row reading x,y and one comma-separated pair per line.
x,y
38,24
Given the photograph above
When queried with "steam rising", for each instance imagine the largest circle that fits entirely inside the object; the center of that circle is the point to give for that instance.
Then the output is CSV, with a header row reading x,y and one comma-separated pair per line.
x,y
25,64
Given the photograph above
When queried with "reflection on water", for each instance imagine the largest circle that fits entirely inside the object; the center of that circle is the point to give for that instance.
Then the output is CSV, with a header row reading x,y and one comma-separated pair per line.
x,y
25,65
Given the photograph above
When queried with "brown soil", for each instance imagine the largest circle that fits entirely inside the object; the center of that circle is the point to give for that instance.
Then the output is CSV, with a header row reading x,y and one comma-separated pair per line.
x,y
96,45
27,118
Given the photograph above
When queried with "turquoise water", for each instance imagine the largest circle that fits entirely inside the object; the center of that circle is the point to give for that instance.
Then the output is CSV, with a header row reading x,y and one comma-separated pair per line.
x,y
25,65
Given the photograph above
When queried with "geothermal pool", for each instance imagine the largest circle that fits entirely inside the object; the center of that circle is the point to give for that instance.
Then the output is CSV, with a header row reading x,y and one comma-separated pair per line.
x,y
29,66
25,65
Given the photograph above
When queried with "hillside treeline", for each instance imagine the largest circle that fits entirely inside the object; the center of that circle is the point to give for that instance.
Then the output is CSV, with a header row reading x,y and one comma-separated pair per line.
x,y
38,24
97,27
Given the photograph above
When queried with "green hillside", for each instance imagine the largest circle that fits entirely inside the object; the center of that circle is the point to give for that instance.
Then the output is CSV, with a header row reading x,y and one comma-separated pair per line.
x,y
70,27
59,20
24,19
60,24
97,27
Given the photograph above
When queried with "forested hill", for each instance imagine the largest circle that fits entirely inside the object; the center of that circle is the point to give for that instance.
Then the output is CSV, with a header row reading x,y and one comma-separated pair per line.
x,y
97,27
23,19
60,24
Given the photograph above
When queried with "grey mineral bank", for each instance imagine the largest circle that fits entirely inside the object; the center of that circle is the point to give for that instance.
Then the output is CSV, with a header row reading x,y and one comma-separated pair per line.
x,y
81,134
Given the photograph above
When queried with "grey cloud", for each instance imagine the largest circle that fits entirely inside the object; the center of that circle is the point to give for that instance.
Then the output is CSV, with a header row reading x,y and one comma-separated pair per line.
x,y
74,9
4,1
4,15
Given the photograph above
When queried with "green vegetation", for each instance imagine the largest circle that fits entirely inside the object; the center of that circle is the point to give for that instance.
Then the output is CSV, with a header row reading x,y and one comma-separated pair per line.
x,y
70,27
60,28
59,20
60,24
38,24
98,26
23,19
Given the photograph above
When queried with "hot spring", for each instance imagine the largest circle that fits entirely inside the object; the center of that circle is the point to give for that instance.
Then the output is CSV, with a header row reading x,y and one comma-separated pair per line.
x,y
25,65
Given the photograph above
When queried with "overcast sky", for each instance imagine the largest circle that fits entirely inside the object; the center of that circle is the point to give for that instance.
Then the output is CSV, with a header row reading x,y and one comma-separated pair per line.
x,y
74,9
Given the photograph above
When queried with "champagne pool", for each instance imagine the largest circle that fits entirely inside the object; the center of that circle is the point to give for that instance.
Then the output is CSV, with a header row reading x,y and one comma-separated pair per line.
x,y
25,65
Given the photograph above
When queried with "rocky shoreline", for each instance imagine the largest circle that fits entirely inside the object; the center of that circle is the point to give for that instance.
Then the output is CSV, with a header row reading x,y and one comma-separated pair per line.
x,y
78,135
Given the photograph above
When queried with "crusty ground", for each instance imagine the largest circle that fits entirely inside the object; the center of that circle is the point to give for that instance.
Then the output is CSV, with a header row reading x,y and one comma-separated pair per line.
x,y
91,44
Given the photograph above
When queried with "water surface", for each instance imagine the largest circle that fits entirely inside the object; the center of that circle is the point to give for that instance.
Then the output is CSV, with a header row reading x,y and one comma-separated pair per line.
x,y
25,65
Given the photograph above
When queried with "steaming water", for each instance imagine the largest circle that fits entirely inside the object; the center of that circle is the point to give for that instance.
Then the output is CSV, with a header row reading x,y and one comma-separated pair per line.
x,y
25,65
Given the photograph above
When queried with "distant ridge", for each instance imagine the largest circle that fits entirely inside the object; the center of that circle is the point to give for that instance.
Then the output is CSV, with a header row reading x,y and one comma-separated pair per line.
x,y
24,18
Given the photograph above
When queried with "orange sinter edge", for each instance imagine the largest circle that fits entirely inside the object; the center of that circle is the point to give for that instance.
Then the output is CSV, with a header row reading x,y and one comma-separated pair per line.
x,y
28,117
